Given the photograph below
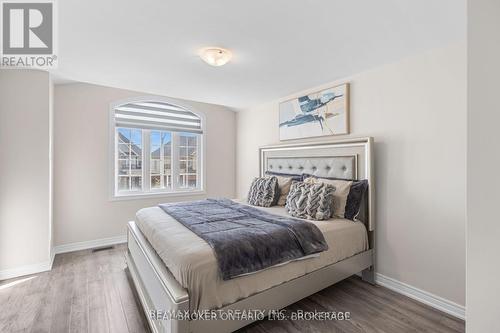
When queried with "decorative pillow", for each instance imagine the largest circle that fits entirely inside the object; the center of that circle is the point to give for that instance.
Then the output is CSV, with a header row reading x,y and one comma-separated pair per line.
x,y
263,192
310,201
284,182
342,188
354,199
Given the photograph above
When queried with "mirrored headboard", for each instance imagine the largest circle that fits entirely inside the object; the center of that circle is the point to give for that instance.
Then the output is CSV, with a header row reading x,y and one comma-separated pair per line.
x,y
346,159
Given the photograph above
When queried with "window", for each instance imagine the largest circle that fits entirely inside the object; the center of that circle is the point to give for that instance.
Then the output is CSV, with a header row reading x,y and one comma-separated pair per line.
x,y
129,145
157,149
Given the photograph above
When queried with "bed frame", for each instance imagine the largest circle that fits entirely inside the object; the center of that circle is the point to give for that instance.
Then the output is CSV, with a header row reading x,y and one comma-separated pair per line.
x,y
159,290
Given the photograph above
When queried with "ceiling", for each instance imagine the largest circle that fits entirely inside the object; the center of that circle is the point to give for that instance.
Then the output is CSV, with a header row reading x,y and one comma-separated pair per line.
x,y
279,46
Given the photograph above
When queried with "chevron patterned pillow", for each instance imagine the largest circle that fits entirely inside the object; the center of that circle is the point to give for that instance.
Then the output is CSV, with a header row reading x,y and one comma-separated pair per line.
x,y
263,192
310,201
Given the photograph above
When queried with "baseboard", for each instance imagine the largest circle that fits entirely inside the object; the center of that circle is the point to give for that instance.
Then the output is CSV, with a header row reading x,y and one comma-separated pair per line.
x,y
90,244
52,256
26,270
47,266
451,308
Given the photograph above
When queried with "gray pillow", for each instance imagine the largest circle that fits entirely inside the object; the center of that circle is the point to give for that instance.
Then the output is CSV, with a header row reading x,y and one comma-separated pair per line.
x,y
264,192
354,199
310,201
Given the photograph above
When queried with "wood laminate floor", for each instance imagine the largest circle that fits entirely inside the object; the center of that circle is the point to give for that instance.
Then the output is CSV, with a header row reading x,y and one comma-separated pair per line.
x,y
91,292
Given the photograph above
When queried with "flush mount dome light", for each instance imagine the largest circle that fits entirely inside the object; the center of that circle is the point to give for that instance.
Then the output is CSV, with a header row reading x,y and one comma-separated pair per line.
x,y
215,56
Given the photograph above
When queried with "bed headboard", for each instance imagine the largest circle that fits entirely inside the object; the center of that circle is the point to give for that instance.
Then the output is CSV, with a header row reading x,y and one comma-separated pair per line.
x,y
348,159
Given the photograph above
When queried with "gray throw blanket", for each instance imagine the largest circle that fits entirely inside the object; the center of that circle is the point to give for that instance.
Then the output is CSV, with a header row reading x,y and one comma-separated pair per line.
x,y
246,239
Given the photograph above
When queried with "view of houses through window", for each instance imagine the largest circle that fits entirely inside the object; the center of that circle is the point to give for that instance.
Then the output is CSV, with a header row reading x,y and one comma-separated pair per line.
x,y
129,159
161,160
172,160
188,146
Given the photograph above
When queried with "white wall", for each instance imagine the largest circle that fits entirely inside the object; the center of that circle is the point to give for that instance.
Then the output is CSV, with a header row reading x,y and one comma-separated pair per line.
x,y
25,213
82,209
416,111
483,163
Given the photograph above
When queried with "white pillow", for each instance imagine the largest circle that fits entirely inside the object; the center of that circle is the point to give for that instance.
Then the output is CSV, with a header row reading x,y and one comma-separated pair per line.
x,y
342,188
284,184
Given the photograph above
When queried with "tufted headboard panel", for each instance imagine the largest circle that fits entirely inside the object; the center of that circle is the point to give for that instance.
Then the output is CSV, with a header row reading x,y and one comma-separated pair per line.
x,y
346,159
321,166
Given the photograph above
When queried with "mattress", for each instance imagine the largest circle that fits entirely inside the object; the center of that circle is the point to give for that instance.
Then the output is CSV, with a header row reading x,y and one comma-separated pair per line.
x,y
192,261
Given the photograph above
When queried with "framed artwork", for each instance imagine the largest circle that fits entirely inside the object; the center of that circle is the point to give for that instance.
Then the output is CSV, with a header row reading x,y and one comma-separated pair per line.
x,y
321,113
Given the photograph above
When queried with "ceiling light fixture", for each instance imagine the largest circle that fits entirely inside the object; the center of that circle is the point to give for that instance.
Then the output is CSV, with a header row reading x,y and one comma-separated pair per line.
x,y
215,56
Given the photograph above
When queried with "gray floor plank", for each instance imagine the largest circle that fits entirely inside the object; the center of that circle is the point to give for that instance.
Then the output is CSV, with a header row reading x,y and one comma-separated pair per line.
x,y
98,319
133,314
79,320
45,313
115,312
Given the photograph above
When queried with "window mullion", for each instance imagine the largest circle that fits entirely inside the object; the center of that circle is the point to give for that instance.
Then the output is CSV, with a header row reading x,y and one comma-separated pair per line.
x,y
129,161
171,184
162,159
175,161
198,162
116,154
146,160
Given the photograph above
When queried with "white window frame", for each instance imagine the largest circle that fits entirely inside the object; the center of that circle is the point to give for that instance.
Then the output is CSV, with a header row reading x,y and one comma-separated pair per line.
x,y
147,192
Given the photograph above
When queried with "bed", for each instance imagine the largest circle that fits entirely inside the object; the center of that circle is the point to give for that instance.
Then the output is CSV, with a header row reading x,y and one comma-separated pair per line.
x,y
174,270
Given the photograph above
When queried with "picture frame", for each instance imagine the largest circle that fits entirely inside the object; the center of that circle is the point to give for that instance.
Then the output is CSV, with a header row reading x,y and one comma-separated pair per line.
x,y
321,113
